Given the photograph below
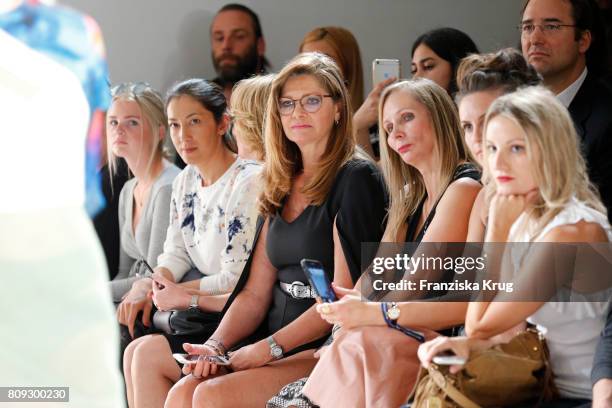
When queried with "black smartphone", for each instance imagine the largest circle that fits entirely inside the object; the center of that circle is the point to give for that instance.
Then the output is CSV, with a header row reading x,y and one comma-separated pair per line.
x,y
315,273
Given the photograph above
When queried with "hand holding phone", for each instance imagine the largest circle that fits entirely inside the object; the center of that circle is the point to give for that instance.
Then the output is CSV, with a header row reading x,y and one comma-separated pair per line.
x,y
383,69
315,273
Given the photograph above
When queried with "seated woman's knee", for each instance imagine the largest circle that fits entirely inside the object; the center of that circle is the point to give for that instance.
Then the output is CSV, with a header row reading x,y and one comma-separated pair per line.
x,y
212,394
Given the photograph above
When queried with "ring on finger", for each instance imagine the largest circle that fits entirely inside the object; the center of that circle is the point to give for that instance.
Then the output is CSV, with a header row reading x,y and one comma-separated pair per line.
x,y
325,309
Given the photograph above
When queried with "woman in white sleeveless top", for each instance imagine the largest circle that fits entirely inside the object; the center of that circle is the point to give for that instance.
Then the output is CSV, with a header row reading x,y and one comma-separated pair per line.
x,y
539,192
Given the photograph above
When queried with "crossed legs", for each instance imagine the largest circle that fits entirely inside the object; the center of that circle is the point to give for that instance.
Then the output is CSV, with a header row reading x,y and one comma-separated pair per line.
x,y
248,388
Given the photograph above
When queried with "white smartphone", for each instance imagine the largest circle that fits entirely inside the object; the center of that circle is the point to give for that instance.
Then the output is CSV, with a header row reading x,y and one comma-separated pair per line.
x,y
193,359
383,69
449,360
186,358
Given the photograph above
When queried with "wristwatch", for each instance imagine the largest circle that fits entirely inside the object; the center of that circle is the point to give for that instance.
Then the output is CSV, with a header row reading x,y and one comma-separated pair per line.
x,y
393,312
194,301
276,351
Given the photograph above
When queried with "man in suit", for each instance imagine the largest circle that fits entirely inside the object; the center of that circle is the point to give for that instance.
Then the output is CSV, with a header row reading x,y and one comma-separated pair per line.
x,y
564,41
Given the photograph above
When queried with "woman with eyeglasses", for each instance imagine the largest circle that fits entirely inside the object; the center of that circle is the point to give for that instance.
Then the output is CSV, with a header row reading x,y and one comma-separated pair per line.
x,y
320,201
136,127
213,213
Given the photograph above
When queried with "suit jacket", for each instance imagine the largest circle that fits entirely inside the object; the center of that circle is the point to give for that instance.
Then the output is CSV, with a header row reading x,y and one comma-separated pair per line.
x,y
591,111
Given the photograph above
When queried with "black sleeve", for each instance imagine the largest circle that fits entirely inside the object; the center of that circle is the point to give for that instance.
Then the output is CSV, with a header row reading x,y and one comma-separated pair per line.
x,y
602,363
361,213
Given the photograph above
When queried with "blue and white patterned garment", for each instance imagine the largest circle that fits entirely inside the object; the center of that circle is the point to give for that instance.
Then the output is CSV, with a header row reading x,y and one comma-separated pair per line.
x,y
212,228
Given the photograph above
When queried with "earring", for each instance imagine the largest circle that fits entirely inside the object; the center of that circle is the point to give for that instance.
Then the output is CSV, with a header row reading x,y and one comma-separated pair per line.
x,y
337,122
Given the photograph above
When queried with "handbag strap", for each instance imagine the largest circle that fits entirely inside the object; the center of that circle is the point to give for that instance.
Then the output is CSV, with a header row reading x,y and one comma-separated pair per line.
x,y
449,389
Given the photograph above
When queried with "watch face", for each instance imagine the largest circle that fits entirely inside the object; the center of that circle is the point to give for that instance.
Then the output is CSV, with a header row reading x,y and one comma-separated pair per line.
x,y
393,313
277,352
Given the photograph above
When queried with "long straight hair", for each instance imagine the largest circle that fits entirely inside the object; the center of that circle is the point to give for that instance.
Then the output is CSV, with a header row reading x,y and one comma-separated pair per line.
x,y
283,157
405,183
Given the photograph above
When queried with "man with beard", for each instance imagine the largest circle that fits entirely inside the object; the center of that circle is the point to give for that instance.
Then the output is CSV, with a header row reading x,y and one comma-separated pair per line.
x,y
238,48
237,45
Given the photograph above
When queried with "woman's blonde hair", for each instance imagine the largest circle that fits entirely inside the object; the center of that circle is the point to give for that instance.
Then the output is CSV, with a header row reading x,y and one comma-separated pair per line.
x,y
283,157
553,149
344,44
151,107
405,183
249,101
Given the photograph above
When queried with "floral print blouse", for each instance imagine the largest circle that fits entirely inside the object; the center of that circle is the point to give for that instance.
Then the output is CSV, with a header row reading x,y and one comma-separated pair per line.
x,y
212,227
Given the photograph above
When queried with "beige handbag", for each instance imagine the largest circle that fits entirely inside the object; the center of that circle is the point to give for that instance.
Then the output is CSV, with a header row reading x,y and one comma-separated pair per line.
x,y
504,375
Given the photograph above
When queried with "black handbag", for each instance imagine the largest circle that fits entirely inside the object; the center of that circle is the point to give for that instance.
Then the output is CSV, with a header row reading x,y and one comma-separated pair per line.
x,y
192,321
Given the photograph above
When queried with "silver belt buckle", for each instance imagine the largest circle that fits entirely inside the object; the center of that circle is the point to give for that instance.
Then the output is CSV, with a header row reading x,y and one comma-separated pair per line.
x,y
298,289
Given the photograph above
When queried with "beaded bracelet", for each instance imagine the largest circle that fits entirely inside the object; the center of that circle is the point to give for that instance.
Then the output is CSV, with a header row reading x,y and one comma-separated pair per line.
x,y
216,345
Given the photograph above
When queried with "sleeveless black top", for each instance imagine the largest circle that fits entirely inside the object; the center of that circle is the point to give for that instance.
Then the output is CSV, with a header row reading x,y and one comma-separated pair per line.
x,y
463,170
357,201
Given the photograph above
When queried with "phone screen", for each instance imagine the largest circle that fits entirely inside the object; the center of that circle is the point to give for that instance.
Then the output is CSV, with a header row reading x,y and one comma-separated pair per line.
x,y
318,279
220,360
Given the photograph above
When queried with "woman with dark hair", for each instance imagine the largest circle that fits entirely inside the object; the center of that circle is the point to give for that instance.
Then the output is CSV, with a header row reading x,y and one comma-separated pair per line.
x,y
481,79
213,214
436,55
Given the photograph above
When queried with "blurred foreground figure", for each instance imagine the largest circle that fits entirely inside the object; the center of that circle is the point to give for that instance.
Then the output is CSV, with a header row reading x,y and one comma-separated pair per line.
x,y
58,322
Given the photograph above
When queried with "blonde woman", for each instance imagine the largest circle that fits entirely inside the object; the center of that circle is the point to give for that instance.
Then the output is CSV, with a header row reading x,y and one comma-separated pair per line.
x,y
249,101
319,201
135,129
540,193
432,184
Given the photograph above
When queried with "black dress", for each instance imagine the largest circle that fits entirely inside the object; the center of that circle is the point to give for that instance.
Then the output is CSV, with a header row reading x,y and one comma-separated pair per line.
x,y
357,201
463,170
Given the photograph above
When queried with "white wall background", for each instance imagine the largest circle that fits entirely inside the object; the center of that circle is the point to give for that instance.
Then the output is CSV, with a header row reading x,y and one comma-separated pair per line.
x,y
162,41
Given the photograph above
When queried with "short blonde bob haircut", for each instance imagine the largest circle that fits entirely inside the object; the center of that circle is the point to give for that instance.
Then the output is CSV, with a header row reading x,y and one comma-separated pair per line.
x,y
153,112
283,157
344,44
249,102
553,149
405,183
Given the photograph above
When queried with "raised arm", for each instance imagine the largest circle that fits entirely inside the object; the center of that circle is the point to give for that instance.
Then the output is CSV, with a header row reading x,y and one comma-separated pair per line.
x,y
486,319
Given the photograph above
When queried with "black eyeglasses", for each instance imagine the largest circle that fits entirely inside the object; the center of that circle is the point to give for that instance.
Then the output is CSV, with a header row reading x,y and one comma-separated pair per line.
x,y
310,103
548,28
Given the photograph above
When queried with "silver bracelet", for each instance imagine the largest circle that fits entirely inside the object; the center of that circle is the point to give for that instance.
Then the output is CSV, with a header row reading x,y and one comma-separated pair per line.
x,y
218,346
